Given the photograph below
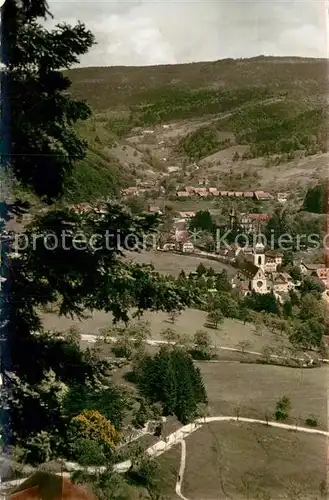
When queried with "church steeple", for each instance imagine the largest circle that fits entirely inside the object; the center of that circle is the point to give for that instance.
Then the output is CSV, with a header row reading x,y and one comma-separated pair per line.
x,y
233,217
259,254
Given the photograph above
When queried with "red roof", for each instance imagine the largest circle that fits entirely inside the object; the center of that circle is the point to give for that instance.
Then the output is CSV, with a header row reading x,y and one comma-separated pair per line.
x,y
46,486
323,273
259,217
186,214
262,195
130,190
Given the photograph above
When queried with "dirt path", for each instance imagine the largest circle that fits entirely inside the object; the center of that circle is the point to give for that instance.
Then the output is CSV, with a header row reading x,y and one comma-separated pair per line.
x,y
90,338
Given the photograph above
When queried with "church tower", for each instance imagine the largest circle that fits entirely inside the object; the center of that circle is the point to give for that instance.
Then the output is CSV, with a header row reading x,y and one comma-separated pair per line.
x,y
233,218
259,255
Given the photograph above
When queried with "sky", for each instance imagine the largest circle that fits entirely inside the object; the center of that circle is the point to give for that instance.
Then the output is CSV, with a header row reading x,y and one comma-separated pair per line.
x,y
151,32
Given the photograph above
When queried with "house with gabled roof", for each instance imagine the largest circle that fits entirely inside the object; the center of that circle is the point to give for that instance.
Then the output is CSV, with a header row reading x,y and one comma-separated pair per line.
x,y
46,486
182,194
323,275
282,197
273,260
130,191
262,195
309,269
203,191
154,209
166,242
186,215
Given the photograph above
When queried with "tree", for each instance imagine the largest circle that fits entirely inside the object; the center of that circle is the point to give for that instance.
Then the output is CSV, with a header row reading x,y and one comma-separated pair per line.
x,y
245,314
282,409
39,447
267,352
203,348
202,221
296,274
214,318
171,378
73,335
307,334
111,401
311,285
243,345
42,112
314,199
94,426
170,336
262,302
142,415
45,149
277,226
201,270
135,204
222,282
173,316
287,309
311,307
88,452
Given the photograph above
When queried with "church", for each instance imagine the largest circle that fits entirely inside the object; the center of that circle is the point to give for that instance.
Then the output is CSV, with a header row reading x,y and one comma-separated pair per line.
x,y
257,271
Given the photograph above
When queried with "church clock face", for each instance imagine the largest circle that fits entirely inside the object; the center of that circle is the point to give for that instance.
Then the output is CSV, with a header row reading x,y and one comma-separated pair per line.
x,y
259,284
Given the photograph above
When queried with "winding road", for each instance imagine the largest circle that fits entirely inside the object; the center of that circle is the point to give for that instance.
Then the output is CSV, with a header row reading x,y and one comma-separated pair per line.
x,y
178,437
92,338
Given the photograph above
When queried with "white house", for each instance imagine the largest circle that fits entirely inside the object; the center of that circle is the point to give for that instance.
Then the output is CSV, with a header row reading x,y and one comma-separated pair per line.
x,y
282,197
186,246
272,261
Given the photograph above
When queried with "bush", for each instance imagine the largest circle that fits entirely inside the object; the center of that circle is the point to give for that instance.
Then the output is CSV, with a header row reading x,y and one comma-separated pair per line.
x,y
282,409
311,421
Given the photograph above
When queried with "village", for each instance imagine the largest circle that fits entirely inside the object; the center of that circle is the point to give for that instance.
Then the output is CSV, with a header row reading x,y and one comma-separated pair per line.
x,y
208,192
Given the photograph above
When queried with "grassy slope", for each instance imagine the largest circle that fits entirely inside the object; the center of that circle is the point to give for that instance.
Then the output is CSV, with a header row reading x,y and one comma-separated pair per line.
x,y
268,100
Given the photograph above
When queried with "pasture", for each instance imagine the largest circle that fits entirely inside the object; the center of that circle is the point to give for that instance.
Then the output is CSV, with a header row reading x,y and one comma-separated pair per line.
x,y
240,461
172,264
254,389
230,333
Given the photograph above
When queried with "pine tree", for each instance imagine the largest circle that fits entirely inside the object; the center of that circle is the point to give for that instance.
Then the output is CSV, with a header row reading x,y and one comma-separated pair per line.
x,y
171,378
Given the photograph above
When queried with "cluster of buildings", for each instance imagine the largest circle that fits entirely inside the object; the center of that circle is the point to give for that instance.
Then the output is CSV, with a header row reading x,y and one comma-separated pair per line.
x,y
85,208
209,192
176,241
259,271
206,192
